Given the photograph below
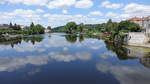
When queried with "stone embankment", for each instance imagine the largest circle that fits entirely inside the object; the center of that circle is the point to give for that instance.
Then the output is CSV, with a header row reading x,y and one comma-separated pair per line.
x,y
138,39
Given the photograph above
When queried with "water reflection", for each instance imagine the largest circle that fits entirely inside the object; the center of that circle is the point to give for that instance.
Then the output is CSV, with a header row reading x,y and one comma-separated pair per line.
x,y
74,38
63,57
14,42
145,61
125,74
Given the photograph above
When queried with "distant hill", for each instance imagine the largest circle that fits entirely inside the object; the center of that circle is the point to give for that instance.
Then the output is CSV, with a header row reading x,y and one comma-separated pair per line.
x,y
59,29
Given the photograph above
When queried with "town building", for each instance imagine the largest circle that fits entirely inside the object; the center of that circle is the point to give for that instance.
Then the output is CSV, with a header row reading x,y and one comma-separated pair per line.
x,y
47,30
144,22
4,26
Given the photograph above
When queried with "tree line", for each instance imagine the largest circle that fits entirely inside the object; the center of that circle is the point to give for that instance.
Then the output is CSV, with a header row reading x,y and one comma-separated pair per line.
x,y
28,30
110,26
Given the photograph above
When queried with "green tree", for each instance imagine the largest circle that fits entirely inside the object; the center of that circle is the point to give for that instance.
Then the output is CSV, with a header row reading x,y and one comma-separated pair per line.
x,y
49,27
18,27
108,26
80,27
128,26
10,25
71,27
32,25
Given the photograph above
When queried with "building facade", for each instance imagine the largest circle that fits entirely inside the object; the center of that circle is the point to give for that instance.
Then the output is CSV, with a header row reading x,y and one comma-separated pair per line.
x,y
4,26
144,22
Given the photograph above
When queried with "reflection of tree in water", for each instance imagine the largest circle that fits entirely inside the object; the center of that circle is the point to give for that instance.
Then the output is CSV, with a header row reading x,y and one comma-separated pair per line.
x,y
17,41
81,38
145,61
118,49
33,39
71,38
11,42
123,53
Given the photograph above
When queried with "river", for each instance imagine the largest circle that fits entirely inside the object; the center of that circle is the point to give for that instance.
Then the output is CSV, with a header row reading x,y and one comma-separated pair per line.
x,y
58,58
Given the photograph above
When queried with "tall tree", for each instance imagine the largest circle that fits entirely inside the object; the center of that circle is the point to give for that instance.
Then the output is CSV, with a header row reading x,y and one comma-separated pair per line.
x,y
71,27
32,25
49,27
109,25
128,26
80,27
10,25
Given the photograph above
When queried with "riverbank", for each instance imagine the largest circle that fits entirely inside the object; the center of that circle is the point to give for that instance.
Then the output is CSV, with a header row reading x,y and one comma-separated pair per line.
x,y
140,45
10,37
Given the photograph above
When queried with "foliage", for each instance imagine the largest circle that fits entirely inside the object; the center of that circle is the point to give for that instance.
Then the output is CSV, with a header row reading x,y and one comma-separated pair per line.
x,y
59,29
35,29
71,38
128,26
71,27
80,27
49,27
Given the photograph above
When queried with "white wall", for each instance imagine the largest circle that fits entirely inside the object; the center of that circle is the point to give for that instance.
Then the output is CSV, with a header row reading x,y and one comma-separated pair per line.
x,y
137,38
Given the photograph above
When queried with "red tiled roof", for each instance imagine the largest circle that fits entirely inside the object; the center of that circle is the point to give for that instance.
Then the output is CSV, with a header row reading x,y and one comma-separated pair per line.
x,y
139,19
135,19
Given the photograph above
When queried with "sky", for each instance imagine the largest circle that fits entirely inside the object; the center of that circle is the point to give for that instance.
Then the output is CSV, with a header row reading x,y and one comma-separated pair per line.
x,y
59,12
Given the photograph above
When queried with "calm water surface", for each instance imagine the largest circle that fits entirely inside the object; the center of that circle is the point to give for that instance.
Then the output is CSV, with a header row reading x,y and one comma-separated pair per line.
x,y
67,59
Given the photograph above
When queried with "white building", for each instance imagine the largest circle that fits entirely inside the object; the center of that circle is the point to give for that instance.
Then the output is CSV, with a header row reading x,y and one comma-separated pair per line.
x,y
146,25
144,22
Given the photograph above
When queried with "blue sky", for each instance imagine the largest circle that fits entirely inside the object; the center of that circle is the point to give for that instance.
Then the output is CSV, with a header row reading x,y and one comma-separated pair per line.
x,y
59,12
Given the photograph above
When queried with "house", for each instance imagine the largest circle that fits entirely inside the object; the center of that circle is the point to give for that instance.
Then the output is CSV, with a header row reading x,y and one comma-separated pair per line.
x,y
144,22
25,28
4,26
47,30
146,25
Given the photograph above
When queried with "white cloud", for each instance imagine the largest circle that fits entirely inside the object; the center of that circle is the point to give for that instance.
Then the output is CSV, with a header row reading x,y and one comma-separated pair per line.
x,y
25,17
112,15
60,4
84,4
28,2
64,11
130,10
21,16
108,4
58,19
134,9
96,13
54,4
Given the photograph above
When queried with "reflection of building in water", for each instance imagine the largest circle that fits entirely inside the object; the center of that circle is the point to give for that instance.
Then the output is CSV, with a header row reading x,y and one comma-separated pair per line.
x,y
136,53
145,61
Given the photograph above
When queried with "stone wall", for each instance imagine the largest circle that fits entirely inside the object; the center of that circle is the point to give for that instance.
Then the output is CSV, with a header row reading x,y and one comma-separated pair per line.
x,y
137,38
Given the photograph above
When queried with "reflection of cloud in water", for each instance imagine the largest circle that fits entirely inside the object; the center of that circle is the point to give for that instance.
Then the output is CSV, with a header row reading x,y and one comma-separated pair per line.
x,y
11,64
14,63
55,41
5,47
29,47
96,47
65,57
108,54
33,72
126,74
92,44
